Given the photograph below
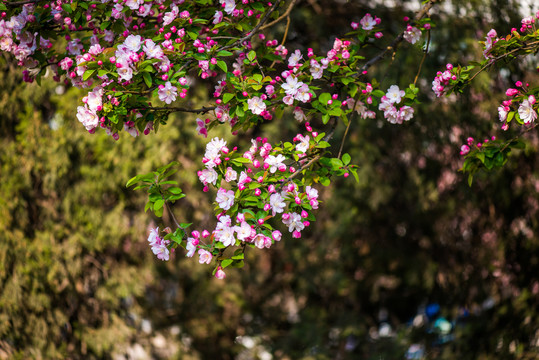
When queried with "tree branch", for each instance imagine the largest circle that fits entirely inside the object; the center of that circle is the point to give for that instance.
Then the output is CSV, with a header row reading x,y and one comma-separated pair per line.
x,y
395,43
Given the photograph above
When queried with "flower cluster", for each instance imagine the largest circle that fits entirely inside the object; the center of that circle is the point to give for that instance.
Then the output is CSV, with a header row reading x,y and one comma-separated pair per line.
x,y
521,106
160,247
392,98
442,80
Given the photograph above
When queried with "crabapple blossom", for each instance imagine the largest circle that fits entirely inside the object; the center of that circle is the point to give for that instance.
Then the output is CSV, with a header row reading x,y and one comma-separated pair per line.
x,y
167,93
225,198
526,112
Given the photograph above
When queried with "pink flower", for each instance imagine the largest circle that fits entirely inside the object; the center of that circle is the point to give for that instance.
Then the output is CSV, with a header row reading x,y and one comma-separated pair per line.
x,y
204,256
368,22
220,274
167,93
256,105
412,34
526,112
225,198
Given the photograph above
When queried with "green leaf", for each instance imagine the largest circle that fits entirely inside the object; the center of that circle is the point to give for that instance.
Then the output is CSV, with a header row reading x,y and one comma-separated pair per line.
x,y
323,145
67,8
225,263
324,98
346,159
251,55
175,190
133,180
325,181
222,65
224,53
88,74
147,79
158,204
227,97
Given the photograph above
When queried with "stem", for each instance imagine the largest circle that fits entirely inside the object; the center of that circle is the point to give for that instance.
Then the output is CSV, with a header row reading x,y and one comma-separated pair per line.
x,y
395,43
250,34
490,63
173,217
202,110
423,58
285,14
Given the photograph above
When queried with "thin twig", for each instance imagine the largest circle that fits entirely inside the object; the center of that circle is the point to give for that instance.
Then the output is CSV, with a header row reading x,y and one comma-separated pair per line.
x,y
490,63
172,216
423,58
395,43
285,14
18,3
202,110
251,33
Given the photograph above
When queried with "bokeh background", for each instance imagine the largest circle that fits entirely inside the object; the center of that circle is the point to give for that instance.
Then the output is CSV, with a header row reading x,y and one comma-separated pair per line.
x,y
409,263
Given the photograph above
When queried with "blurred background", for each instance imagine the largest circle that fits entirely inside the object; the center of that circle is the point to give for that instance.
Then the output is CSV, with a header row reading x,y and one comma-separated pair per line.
x,y
410,263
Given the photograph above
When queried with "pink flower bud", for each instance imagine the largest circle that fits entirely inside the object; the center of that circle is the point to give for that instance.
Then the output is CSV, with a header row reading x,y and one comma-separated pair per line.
x,y
240,218
276,235
220,274
258,192
267,207
260,221
511,92
205,233
296,234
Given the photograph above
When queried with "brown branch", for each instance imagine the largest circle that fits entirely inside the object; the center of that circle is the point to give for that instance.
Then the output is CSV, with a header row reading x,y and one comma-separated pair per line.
x,y
284,15
494,60
19,3
423,58
202,110
395,43
172,216
251,33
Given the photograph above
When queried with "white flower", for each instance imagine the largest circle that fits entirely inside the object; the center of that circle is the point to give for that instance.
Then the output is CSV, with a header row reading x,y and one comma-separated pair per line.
x,y
125,72
303,94
502,113
225,198
190,247
161,251
294,222
133,42
394,94
152,50
256,105
243,231
406,113
154,238
95,99
277,204
412,34
87,117
526,112
208,176
368,22
204,256
167,93
230,174
274,162
294,58
303,145
291,86
226,236
218,17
